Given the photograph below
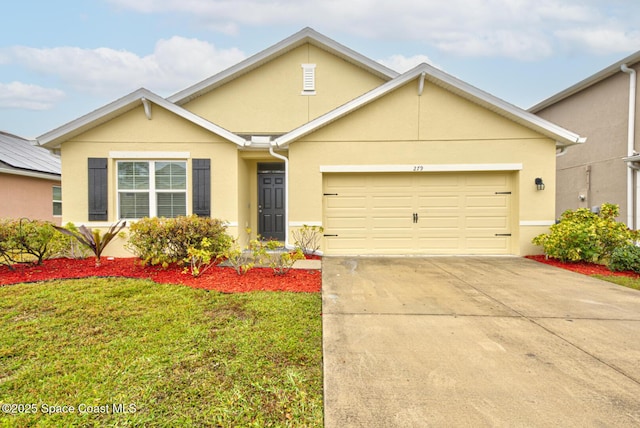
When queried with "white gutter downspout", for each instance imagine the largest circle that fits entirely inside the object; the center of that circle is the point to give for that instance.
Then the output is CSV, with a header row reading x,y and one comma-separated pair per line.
x,y
630,142
421,84
562,152
147,107
286,193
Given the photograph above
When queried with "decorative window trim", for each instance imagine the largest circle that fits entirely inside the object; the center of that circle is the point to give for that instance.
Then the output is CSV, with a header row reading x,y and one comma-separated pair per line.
x,y
308,79
152,191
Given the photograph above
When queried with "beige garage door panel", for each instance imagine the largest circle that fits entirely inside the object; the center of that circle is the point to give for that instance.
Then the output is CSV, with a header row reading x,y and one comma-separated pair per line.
x,y
457,213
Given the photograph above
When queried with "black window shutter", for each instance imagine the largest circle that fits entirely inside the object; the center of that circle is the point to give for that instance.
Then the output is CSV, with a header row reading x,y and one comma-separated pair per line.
x,y
98,189
201,187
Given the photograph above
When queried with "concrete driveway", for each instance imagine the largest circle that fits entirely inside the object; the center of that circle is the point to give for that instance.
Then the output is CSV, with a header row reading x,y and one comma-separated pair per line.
x,y
477,341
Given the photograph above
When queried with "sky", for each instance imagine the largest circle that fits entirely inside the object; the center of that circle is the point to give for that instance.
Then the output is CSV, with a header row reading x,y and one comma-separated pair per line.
x,y
62,59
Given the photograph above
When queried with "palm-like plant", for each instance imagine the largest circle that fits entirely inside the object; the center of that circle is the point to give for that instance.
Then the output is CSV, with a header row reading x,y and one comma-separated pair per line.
x,y
94,239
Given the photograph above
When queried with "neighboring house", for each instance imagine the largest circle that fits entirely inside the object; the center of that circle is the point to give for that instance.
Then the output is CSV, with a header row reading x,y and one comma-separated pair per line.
x,y
602,108
29,180
309,132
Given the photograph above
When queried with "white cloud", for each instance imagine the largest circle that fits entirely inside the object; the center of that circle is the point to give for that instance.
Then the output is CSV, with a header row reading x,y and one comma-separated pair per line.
x,y
601,40
174,64
29,97
522,29
401,63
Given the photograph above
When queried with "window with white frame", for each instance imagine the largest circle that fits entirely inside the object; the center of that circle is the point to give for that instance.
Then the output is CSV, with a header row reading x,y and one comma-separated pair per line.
x,y
152,189
57,200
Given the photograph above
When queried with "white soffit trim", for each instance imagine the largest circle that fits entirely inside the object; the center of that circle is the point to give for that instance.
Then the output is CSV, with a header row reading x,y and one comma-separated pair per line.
x,y
537,222
470,167
149,155
306,35
562,136
53,139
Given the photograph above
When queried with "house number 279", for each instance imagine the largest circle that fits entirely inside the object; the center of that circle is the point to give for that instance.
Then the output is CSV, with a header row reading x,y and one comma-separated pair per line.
x,y
418,168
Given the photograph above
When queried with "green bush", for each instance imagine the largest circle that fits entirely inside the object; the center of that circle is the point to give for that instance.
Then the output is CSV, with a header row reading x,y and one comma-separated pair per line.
x,y
582,235
280,261
625,258
93,239
162,241
8,250
63,245
199,260
24,240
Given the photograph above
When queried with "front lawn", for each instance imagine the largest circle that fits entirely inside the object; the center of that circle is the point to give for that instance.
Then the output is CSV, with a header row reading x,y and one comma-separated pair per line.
x,y
129,352
625,281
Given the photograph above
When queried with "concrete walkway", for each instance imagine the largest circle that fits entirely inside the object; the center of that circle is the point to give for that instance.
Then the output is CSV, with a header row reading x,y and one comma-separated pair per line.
x,y
477,341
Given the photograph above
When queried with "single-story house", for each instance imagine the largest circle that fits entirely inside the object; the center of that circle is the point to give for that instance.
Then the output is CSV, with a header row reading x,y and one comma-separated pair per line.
x,y
310,132
602,107
30,185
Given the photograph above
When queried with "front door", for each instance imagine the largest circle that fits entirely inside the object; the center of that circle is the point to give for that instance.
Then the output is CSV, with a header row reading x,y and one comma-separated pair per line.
x,y
271,205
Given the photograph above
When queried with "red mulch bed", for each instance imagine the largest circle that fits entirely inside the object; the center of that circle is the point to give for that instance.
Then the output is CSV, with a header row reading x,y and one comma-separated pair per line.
x,y
223,279
582,267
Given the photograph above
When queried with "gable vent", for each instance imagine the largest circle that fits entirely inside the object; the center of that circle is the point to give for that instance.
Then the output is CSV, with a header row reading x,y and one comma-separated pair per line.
x,y
308,79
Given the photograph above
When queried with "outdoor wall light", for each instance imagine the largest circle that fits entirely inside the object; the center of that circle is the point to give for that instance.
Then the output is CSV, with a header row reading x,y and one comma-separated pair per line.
x,y
539,184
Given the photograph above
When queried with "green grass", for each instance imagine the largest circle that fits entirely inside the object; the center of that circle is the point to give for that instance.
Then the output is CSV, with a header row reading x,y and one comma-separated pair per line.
x,y
621,280
172,355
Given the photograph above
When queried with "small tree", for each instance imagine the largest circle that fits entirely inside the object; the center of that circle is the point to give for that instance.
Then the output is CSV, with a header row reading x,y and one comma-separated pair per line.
x,y
24,237
307,238
93,239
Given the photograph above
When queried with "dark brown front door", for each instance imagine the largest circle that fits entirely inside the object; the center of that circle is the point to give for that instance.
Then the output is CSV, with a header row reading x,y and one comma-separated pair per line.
x,y
271,205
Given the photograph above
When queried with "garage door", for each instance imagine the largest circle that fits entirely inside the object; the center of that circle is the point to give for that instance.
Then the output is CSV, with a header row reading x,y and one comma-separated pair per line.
x,y
420,213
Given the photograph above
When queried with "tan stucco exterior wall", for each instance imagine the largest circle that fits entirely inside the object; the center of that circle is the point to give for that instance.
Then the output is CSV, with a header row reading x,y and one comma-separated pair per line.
x,y
27,197
436,128
133,135
269,101
401,128
595,169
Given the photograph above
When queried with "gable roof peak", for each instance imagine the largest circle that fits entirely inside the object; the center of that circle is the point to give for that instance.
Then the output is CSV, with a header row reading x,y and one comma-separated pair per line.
x,y
54,138
563,137
306,35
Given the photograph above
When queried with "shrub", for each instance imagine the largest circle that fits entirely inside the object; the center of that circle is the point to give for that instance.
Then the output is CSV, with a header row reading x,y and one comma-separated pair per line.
x,y
64,245
162,241
582,235
307,238
8,250
26,240
239,259
280,261
261,252
625,258
200,259
92,239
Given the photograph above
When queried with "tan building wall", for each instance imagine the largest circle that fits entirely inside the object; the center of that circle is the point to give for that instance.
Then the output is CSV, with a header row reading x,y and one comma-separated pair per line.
x,y
437,128
269,101
133,136
399,130
595,170
27,197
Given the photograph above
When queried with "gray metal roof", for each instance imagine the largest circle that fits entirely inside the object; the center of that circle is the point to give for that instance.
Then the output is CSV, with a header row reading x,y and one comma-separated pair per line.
x,y
25,155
